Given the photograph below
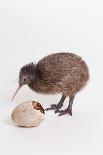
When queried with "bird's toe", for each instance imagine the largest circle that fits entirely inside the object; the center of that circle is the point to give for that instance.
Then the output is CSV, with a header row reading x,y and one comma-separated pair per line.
x,y
64,112
57,111
52,107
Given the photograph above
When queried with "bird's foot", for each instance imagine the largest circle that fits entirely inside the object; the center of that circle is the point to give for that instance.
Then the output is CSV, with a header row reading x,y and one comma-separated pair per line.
x,y
57,110
66,111
52,107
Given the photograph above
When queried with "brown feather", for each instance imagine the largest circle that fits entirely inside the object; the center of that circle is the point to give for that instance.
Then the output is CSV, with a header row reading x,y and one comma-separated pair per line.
x,y
63,73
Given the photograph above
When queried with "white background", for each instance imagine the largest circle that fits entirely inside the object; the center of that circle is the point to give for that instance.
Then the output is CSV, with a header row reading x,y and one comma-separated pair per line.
x,y
29,30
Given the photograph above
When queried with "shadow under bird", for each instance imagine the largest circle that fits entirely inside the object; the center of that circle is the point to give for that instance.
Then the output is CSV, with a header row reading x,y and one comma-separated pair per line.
x,y
64,73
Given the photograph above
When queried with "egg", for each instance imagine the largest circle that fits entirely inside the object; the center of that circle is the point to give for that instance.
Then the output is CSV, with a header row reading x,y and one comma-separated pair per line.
x,y
28,114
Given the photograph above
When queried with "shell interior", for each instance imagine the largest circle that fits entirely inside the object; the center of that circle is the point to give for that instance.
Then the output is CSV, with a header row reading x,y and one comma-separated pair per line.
x,y
38,106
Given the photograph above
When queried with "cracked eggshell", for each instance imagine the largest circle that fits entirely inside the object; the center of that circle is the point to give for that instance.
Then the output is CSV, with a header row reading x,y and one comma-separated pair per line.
x,y
28,114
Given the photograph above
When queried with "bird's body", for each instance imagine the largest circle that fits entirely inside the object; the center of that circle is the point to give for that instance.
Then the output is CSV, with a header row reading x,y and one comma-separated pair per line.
x,y
64,73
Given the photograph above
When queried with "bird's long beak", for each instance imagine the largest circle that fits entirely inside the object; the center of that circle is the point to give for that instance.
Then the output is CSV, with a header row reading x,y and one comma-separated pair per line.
x,y
17,90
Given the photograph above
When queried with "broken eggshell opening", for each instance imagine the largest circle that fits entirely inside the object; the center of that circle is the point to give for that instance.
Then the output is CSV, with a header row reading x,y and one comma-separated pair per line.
x,y
28,114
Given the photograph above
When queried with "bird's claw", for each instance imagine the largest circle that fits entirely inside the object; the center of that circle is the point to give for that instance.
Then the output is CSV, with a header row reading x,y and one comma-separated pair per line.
x,y
64,112
56,111
52,107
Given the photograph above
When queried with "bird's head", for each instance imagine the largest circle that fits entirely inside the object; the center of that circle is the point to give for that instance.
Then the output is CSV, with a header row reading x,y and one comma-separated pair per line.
x,y
26,76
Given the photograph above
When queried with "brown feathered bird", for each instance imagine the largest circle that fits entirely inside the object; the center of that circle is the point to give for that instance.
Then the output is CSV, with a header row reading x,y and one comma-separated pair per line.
x,y
64,73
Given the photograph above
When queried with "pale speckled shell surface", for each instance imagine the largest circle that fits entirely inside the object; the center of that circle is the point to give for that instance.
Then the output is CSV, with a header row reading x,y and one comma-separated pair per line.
x,y
26,115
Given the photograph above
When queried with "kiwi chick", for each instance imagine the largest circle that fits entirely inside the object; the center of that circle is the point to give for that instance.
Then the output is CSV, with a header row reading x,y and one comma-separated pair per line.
x,y
64,73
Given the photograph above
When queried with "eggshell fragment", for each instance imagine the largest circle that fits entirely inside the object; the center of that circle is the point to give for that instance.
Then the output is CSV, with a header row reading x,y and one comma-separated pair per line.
x,y
28,114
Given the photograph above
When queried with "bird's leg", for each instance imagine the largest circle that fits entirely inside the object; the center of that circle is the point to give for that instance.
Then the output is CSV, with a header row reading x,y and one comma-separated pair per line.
x,y
60,104
56,107
69,109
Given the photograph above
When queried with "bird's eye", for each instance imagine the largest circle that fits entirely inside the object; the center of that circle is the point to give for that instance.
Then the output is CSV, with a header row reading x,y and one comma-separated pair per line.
x,y
24,79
